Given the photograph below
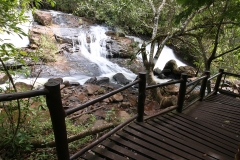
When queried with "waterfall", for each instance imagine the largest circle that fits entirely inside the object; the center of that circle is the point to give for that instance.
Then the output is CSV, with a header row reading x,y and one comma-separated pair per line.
x,y
92,45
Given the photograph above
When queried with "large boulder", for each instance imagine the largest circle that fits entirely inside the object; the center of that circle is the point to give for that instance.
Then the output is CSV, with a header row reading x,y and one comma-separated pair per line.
x,y
171,70
120,46
190,71
121,79
170,67
36,32
43,18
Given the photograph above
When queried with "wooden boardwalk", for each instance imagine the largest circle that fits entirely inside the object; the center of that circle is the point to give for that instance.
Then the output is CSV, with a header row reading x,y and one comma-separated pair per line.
x,y
208,130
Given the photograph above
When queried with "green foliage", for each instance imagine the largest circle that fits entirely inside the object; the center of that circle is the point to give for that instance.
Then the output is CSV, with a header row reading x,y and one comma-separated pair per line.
x,y
47,49
127,15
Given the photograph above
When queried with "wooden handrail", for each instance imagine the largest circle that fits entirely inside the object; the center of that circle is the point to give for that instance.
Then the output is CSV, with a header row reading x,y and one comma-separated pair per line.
x,y
21,95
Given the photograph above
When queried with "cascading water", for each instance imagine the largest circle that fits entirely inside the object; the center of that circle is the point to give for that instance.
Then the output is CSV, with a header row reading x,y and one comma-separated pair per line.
x,y
92,45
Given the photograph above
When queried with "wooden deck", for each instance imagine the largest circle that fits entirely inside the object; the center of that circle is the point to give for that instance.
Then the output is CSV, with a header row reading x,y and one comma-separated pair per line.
x,y
207,130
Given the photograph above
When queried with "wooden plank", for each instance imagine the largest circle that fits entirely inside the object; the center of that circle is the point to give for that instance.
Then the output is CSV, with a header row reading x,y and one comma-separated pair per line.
x,y
166,134
123,151
191,128
140,150
197,139
210,129
219,122
225,120
155,147
163,144
103,152
90,156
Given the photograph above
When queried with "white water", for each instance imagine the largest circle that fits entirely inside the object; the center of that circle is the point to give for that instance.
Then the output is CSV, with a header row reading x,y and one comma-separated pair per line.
x,y
166,55
96,52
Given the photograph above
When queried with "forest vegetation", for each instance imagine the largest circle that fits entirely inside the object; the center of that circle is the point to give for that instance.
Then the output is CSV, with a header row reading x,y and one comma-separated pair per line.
x,y
207,30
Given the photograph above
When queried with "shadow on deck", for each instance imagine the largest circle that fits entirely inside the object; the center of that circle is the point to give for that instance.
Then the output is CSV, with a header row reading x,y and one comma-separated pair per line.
x,y
207,130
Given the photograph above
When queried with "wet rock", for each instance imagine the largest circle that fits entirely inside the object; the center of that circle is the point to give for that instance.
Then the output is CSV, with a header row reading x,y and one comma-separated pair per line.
x,y
74,83
120,47
44,18
82,97
92,80
123,115
172,89
102,80
99,123
100,114
91,88
3,77
117,97
157,71
169,67
168,101
66,83
82,120
150,108
190,71
121,79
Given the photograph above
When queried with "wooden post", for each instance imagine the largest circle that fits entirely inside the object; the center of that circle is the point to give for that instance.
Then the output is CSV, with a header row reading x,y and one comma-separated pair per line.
x,y
218,81
181,94
57,114
204,85
141,96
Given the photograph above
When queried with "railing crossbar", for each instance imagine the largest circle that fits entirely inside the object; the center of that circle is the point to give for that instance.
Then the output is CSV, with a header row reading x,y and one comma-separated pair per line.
x,y
195,81
163,84
214,76
21,95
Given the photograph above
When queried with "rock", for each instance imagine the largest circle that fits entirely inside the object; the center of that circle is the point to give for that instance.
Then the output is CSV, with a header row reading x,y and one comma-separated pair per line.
x,y
60,80
91,89
74,83
168,101
3,77
100,113
82,97
94,80
21,86
66,83
44,18
172,89
190,71
123,115
82,120
150,108
91,81
121,79
99,123
117,97
170,66
114,34
102,80
157,71
121,47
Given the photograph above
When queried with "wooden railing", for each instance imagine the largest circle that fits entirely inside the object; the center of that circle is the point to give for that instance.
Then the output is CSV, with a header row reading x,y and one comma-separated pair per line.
x,y
58,114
